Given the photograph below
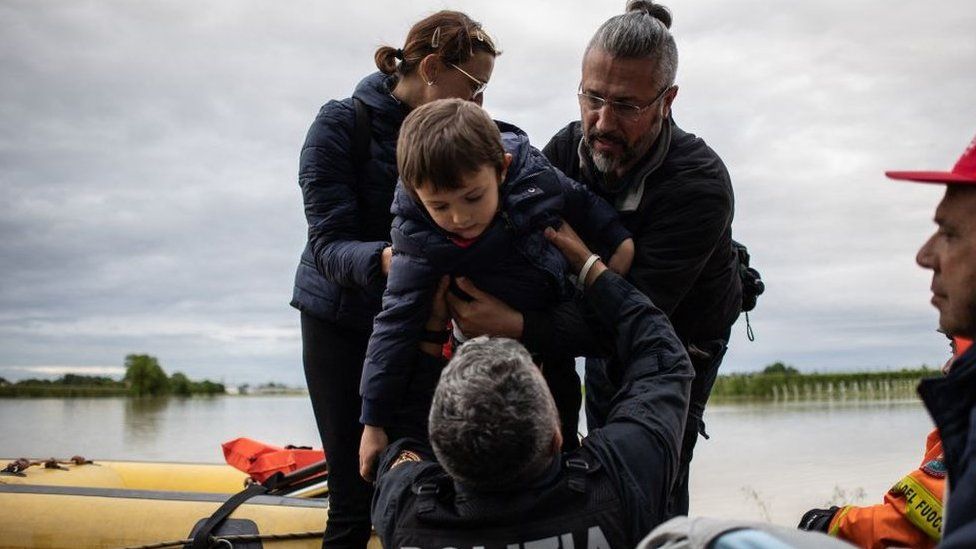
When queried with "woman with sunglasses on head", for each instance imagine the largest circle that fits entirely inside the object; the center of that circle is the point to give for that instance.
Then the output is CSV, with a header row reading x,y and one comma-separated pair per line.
x,y
347,175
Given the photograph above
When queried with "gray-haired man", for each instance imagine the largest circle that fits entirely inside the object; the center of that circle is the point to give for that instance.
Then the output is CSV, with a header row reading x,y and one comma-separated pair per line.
x,y
500,481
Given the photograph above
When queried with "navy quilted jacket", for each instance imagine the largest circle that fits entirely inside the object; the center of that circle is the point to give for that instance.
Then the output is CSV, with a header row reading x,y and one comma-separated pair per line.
x,y
511,260
339,278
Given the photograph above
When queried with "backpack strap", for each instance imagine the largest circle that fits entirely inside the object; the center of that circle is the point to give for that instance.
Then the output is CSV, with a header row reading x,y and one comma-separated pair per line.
x,y
578,466
429,489
361,135
752,284
576,469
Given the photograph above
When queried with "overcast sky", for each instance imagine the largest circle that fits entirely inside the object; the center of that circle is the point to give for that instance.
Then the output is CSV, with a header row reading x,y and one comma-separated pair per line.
x,y
148,156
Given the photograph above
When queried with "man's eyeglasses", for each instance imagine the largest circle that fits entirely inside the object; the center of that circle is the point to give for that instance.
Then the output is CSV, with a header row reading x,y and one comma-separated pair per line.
x,y
480,86
623,111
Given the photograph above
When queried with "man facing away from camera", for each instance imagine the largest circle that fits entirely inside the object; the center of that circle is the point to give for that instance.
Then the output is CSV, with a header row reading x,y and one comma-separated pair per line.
x,y
500,480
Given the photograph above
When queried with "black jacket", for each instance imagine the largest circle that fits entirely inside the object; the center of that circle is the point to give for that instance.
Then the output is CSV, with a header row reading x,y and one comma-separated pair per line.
x,y
347,207
682,227
635,454
952,402
511,260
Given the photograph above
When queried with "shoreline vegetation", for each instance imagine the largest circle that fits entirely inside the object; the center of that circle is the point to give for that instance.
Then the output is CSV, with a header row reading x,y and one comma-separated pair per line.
x,y
780,382
777,382
144,377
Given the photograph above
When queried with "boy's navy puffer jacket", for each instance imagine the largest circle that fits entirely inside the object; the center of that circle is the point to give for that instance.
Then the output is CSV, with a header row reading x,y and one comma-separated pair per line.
x,y
511,260
339,278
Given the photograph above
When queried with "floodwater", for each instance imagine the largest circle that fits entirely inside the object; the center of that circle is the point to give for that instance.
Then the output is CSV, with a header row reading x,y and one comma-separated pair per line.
x,y
775,461
764,461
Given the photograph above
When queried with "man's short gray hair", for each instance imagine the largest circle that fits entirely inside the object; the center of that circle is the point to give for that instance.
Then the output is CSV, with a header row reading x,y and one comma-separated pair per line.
x,y
641,32
493,420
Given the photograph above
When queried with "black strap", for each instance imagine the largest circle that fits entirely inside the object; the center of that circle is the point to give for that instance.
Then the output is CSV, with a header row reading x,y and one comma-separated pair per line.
x,y
426,497
752,283
201,539
361,135
576,469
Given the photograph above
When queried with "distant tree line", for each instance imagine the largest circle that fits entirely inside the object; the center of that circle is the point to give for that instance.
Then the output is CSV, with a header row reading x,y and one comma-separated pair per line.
x,y
780,368
143,377
68,385
780,381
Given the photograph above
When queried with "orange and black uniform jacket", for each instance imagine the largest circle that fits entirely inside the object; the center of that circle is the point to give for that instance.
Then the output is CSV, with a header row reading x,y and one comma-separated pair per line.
x,y
911,515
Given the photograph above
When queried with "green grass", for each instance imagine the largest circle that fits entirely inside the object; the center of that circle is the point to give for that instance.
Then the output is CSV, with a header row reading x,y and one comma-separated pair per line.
x,y
797,386
60,391
74,385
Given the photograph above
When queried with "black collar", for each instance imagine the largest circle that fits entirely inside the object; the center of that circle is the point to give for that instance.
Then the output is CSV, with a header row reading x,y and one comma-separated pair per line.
x,y
950,400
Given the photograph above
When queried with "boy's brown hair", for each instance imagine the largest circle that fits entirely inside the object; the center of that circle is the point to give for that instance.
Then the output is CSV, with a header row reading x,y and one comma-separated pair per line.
x,y
444,140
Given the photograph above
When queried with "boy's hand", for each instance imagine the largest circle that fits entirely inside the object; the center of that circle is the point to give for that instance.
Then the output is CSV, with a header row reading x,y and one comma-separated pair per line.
x,y
373,442
622,258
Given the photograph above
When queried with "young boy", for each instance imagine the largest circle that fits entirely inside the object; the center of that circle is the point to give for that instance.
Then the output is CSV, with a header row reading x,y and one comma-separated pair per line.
x,y
473,202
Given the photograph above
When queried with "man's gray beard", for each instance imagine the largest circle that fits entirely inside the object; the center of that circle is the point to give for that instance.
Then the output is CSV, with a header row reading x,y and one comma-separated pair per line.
x,y
604,164
608,165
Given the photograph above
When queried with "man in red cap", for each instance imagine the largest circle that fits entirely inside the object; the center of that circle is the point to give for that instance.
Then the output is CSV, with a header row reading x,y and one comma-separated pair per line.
x,y
951,255
915,509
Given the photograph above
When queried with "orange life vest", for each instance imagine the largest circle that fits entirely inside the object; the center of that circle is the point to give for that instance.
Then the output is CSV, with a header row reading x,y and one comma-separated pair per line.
x,y
262,460
962,345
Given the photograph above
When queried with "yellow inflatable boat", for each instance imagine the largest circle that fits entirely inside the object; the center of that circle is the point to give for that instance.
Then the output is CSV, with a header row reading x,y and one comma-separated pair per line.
x,y
118,504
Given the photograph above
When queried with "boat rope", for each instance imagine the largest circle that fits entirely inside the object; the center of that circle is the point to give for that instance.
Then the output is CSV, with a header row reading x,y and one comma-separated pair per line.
x,y
221,541
17,466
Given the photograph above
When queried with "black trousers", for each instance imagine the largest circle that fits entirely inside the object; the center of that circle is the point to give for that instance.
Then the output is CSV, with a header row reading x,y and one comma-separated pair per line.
x,y
333,358
564,384
603,380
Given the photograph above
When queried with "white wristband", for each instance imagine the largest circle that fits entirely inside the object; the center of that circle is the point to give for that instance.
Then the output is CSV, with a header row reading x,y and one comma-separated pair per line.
x,y
581,278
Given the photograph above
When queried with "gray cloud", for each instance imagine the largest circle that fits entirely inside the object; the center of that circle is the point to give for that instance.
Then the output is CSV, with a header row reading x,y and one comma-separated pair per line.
x,y
148,155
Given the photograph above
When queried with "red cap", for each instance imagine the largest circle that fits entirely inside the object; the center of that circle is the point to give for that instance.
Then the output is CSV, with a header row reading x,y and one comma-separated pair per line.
x,y
964,172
